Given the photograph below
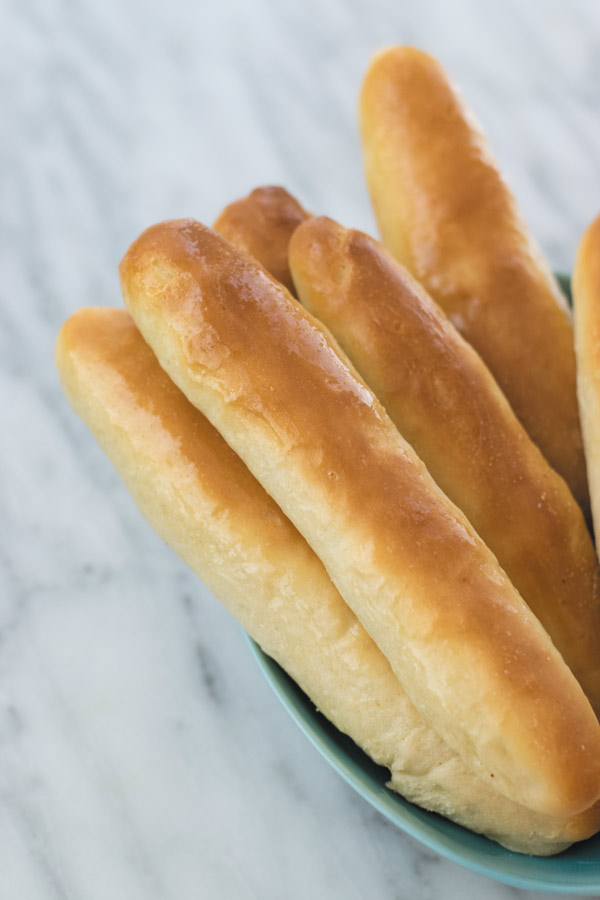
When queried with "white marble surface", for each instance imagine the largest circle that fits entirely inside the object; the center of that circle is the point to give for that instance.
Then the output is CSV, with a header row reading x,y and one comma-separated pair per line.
x,y
142,755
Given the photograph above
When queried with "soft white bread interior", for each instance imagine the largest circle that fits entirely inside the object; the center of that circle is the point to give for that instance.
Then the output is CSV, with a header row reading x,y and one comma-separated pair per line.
x,y
472,657
202,500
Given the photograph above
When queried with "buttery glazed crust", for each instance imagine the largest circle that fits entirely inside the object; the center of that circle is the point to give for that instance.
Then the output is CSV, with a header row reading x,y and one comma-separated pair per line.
x,y
262,224
204,502
470,654
586,302
445,402
446,213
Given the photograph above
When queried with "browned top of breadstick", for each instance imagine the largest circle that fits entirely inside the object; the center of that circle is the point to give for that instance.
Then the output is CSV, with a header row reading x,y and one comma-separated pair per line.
x,y
447,405
586,298
468,651
586,301
262,223
202,500
445,211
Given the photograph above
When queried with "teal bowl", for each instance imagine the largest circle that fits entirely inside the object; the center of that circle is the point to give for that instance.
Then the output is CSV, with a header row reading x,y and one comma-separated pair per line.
x,y
575,871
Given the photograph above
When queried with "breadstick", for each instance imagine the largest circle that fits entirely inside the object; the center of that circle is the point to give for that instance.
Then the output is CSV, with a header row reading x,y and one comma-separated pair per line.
x,y
471,656
445,402
586,304
262,224
206,505
445,212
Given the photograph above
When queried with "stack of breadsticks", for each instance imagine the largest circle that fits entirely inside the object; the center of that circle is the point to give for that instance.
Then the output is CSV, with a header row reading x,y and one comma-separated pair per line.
x,y
384,482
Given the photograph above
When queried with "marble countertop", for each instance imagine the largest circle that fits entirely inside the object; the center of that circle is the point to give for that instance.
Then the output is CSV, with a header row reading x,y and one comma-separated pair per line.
x,y
142,754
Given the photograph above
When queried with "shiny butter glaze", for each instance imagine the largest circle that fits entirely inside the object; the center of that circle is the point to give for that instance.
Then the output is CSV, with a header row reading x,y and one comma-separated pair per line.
x,y
204,502
445,402
586,302
432,596
445,212
262,224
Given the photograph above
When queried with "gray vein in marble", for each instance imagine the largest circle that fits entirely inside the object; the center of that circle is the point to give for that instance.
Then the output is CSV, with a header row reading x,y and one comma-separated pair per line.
x,y
142,754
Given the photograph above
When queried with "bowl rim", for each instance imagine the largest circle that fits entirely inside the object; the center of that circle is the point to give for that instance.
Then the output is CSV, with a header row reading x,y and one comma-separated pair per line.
x,y
316,727
403,814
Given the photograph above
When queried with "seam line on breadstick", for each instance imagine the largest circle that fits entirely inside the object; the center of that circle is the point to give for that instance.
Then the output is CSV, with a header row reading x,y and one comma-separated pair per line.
x,y
470,654
201,499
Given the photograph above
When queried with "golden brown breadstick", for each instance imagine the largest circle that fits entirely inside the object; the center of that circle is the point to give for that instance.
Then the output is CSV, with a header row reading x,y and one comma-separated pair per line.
x,y
586,302
262,223
204,502
447,405
470,654
446,213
